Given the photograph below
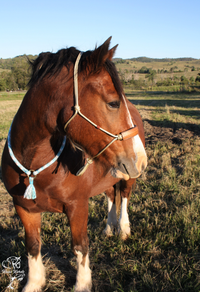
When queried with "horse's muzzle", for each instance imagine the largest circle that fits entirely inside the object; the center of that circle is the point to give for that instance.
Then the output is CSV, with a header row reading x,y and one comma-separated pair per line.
x,y
128,168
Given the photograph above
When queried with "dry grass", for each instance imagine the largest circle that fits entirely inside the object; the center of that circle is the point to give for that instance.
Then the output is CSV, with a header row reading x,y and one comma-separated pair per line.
x,y
163,251
9,104
129,67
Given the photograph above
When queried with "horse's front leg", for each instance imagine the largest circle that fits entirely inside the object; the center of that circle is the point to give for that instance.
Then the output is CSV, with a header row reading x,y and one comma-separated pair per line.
x,y
126,189
112,210
77,214
36,272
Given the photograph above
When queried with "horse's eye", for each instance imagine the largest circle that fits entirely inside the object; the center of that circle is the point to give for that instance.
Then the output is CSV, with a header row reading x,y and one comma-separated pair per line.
x,y
114,104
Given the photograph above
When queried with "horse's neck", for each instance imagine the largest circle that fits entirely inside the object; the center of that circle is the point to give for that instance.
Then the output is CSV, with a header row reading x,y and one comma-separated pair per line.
x,y
31,135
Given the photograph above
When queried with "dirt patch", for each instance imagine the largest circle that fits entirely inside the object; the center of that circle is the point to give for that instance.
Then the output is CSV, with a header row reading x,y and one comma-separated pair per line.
x,y
156,133
167,131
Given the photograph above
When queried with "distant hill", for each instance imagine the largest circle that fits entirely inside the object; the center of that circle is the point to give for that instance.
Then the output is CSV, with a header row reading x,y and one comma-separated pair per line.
x,y
22,60
140,73
149,60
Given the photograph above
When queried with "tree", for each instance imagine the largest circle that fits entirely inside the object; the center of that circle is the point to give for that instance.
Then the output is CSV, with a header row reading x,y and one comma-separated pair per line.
x,y
10,82
21,77
143,70
2,85
192,79
151,76
197,78
184,80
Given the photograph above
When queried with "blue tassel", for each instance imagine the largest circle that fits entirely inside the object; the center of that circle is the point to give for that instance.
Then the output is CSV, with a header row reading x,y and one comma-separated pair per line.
x,y
30,192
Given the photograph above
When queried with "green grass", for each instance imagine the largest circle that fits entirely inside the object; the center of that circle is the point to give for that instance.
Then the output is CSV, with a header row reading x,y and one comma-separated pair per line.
x,y
15,95
163,251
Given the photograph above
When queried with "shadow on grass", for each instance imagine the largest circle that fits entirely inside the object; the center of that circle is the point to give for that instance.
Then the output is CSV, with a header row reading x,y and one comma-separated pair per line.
x,y
179,95
195,114
11,245
1,174
59,270
195,129
170,102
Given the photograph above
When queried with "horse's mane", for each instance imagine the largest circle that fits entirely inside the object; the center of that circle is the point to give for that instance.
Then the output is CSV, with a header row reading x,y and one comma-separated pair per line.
x,y
49,64
111,69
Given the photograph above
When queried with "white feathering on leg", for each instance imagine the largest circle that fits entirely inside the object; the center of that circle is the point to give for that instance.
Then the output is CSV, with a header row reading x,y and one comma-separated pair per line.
x,y
36,274
112,219
124,224
83,277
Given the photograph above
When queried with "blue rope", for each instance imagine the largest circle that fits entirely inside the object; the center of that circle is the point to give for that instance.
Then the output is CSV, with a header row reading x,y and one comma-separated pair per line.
x,y
30,192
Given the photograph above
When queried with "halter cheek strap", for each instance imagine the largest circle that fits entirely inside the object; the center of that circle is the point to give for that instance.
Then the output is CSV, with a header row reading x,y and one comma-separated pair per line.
x,y
130,133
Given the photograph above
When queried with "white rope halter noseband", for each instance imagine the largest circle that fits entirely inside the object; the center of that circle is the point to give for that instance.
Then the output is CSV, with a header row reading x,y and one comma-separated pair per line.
x,y
121,136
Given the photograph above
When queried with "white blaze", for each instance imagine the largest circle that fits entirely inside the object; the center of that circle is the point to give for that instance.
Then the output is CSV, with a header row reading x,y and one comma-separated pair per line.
x,y
130,121
137,144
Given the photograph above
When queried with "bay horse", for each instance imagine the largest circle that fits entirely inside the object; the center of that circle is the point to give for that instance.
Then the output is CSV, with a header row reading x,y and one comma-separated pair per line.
x,y
75,101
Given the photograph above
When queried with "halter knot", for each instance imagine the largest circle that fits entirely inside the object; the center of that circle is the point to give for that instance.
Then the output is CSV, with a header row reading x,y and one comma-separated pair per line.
x,y
119,137
77,108
32,173
83,169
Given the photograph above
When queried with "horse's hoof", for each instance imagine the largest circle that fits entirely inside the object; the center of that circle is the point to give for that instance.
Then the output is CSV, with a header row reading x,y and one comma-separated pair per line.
x,y
108,231
124,231
87,288
32,288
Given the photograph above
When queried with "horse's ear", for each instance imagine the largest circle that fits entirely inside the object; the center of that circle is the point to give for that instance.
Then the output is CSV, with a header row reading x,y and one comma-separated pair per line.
x,y
101,54
111,52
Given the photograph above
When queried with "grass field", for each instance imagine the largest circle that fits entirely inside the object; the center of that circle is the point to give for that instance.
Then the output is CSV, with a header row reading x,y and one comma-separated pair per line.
x,y
180,68
172,70
163,252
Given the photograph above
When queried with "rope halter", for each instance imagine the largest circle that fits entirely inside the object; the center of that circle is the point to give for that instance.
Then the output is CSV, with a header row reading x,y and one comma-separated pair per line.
x,y
77,110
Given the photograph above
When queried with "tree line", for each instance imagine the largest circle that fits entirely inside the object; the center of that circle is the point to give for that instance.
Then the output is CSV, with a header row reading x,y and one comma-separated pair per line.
x,y
15,73
153,78
176,83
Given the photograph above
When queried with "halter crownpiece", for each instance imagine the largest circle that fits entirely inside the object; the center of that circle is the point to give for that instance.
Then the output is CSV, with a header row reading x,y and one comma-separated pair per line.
x,y
130,133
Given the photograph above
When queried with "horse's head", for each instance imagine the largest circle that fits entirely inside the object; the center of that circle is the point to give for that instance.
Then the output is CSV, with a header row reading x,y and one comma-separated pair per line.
x,y
102,117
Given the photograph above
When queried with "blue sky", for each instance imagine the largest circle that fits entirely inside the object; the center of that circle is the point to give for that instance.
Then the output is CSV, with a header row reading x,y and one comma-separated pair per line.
x,y
151,28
